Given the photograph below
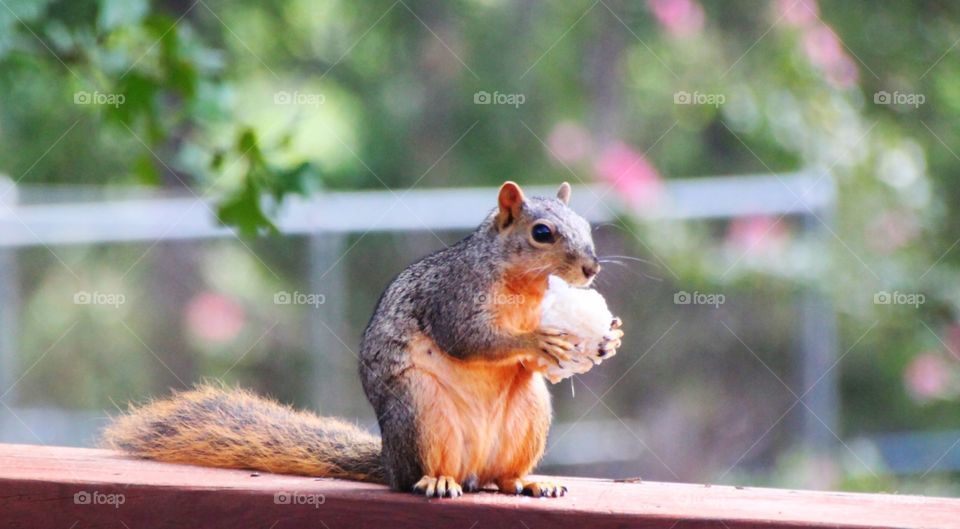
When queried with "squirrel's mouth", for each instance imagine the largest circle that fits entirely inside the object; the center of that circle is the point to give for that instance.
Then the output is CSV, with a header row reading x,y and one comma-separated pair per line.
x,y
585,282
577,278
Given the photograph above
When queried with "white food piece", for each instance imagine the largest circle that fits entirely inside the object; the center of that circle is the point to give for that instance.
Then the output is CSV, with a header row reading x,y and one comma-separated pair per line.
x,y
582,313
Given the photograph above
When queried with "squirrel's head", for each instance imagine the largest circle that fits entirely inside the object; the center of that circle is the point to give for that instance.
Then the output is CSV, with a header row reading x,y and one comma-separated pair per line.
x,y
544,236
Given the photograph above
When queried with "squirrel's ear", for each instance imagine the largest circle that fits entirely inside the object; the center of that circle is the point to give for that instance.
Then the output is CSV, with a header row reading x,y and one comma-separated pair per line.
x,y
564,193
510,201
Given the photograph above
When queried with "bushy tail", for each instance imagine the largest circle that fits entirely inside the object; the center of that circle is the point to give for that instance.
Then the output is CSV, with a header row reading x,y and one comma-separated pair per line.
x,y
230,428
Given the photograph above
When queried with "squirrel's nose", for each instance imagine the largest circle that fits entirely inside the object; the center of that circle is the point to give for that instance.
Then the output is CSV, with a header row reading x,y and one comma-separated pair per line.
x,y
590,269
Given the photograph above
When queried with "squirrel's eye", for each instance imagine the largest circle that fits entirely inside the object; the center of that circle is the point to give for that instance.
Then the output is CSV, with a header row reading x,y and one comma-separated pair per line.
x,y
542,233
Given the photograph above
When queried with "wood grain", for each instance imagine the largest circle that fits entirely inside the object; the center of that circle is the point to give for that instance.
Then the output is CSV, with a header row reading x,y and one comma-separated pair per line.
x,y
39,487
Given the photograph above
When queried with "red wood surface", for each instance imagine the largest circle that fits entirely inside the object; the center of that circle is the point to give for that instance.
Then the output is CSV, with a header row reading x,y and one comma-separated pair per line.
x,y
47,487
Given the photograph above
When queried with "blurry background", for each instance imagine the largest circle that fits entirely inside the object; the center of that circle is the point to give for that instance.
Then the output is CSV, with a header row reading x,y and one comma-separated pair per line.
x,y
797,326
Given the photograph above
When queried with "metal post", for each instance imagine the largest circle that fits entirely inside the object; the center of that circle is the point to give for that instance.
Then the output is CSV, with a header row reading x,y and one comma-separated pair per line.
x,y
818,352
333,345
9,299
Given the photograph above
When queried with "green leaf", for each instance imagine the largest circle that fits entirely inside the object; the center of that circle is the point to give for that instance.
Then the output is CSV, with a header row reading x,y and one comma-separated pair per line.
x,y
145,170
249,148
247,141
301,180
139,98
216,161
244,211
183,77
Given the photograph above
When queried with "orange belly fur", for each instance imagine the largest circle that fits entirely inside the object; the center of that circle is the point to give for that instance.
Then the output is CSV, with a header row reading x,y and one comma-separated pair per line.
x,y
476,417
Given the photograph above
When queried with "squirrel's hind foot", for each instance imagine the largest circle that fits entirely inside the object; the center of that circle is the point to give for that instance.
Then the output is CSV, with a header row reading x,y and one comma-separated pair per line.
x,y
439,487
536,489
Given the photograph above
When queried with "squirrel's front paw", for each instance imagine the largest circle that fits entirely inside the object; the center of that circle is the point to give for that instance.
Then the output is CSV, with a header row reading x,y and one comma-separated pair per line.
x,y
440,487
553,344
611,340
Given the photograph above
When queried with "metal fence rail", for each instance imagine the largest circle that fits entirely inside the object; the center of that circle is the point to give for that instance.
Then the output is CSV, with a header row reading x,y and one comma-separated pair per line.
x,y
171,218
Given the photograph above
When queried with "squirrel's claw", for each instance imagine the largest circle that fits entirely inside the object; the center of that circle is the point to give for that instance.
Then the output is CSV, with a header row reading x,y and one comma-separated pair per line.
x,y
442,487
537,489
552,332
552,343
611,342
427,485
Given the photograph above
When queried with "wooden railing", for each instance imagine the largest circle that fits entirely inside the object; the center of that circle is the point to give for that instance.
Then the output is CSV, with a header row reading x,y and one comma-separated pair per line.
x,y
74,488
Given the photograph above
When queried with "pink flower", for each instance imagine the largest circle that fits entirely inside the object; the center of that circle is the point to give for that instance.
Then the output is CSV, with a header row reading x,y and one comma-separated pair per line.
x,y
927,377
681,18
630,173
826,53
796,13
214,317
569,142
757,233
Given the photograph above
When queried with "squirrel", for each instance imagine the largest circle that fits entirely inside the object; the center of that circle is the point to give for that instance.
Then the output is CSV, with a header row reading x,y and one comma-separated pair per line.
x,y
444,361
